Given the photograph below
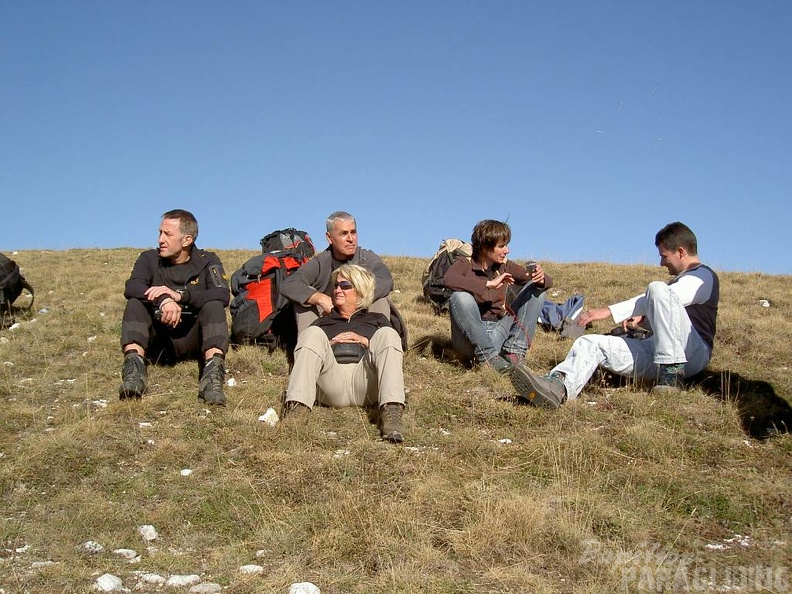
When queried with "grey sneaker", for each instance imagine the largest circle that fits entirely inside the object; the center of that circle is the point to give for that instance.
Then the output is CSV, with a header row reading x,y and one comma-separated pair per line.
x,y
391,422
134,377
669,380
548,391
499,364
210,388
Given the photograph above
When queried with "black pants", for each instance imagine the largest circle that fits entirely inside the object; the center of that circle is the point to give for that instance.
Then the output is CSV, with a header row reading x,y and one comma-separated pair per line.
x,y
196,333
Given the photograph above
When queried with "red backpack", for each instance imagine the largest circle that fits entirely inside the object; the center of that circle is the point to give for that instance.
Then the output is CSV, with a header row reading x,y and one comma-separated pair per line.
x,y
259,314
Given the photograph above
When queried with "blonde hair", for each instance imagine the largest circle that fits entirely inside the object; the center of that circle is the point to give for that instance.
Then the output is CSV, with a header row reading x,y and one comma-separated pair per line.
x,y
361,279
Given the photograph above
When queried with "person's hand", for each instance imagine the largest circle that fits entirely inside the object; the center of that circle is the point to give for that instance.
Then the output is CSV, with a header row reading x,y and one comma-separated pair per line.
x,y
170,313
350,337
154,293
631,323
325,304
322,302
592,315
500,280
538,276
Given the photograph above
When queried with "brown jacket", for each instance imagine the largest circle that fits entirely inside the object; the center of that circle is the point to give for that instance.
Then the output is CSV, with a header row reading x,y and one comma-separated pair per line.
x,y
467,275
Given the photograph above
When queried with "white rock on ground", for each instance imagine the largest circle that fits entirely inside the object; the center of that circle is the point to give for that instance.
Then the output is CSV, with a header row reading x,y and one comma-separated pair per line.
x,y
148,532
183,580
252,568
151,579
108,583
206,588
90,547
303,588
128,554
270,417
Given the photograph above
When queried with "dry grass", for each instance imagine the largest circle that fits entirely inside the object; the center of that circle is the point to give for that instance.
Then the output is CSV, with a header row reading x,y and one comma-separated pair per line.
x,y
618,491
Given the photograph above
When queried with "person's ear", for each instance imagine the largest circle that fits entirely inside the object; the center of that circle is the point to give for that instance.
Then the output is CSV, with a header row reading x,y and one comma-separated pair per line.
x,y
187,240
329,237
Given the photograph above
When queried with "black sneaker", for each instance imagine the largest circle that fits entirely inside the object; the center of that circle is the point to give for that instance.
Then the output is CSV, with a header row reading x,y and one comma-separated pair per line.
x,y
210,388
548,391
134,377
391,422
669,380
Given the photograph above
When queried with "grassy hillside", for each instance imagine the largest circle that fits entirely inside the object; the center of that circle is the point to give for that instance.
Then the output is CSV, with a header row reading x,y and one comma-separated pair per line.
x,y
619,491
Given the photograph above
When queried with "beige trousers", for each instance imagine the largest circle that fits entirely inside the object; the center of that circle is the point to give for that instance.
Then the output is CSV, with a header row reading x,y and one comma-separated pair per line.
x,y
376,379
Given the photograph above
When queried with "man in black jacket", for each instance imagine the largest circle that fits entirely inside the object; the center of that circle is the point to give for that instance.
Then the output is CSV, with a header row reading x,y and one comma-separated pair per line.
x,y
176,300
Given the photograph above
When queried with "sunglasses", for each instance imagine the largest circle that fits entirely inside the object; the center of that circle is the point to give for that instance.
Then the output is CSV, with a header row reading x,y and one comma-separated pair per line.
x,y
344,285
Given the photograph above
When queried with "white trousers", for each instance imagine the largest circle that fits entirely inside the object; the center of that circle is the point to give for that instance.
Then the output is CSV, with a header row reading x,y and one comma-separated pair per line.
x,y
377,378
674,340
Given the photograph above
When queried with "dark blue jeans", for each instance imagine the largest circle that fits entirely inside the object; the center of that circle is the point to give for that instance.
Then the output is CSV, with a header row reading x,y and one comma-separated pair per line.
x,y
486,339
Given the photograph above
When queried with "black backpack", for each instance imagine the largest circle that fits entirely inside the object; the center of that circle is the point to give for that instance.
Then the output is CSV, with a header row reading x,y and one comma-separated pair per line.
x,y
259,313
290,240
11,285
432,281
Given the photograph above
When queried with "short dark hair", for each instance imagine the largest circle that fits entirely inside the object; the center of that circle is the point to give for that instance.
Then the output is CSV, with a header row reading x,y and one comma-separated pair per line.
x,y
487,234
188,225
676,235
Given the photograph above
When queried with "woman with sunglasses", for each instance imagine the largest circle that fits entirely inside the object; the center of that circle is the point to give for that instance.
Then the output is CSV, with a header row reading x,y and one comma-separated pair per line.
x,y
350,357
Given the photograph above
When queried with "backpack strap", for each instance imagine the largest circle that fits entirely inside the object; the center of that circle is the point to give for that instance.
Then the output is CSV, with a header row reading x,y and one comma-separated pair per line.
x,y
29,287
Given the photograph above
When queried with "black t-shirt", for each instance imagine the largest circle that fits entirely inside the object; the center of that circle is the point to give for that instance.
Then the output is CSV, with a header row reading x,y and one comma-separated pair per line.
x,y
361,322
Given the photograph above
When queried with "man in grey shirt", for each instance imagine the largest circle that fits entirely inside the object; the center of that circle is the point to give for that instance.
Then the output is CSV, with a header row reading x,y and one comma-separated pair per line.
x,y
310,288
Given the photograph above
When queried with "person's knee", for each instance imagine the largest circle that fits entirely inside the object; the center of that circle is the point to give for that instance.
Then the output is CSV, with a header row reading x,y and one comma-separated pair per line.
x,y
385,338
587,342
462,298
461,305
213,311
656,289
312,338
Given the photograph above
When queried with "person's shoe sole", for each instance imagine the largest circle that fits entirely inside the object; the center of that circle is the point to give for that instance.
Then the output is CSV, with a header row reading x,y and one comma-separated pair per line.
x,y
531,390
393,437
213,400
663,389
129,394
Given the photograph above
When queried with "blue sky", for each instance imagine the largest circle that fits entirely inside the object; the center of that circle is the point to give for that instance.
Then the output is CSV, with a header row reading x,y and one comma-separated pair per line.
x,y
586,125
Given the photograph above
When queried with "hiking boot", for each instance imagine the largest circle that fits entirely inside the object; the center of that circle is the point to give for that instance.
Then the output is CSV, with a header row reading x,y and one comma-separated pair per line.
x,y
134,377
295,412
499,364
210,388
391,422
548,391
669,380
513,358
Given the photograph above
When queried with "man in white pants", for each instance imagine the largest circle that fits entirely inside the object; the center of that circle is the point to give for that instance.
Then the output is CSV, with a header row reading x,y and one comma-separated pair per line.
x,y
681,315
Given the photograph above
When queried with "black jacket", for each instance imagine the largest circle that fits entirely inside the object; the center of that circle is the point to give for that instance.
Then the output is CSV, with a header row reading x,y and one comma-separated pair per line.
x,y
361,322
200,279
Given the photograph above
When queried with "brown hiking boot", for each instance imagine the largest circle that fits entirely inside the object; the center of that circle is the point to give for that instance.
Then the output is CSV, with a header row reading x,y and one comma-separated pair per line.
x,y
391,422
295,412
